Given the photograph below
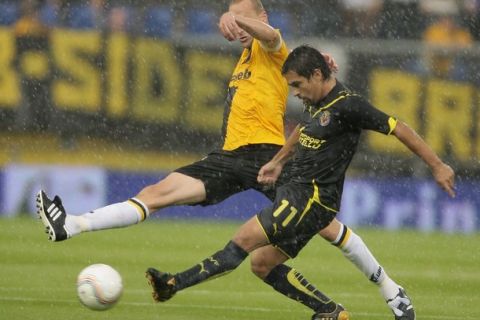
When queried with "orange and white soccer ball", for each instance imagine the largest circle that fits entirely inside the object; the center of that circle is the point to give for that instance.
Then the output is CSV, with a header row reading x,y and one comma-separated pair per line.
x,y
99,286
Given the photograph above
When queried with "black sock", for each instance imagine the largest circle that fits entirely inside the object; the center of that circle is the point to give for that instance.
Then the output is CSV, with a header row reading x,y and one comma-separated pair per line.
x,y
218,264
292,284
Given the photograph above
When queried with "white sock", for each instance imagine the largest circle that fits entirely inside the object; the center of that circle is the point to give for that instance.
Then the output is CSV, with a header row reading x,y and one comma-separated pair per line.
x,y
355,250
116,215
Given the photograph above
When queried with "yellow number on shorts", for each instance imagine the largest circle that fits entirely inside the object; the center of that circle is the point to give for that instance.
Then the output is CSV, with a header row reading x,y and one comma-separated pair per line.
x,y
293,212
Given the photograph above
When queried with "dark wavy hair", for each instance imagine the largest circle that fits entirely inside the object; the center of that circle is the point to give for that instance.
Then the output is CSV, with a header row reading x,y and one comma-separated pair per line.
x,y
304,60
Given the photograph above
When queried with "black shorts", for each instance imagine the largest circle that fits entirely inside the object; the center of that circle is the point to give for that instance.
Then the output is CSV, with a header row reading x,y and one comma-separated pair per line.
x,y
225,173
297,214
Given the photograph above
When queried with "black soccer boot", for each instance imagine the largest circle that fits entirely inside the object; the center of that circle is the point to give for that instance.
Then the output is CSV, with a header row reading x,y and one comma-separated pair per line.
x,y
338,314
402,306
162,290
53,216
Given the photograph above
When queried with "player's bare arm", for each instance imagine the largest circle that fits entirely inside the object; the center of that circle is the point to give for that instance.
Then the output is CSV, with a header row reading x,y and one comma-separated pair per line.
x,y
443,173
266,34
228,26
270,172
246,20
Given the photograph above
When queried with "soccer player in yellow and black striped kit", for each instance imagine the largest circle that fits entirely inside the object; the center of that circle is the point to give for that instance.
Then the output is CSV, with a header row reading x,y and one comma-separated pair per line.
x,y
253,133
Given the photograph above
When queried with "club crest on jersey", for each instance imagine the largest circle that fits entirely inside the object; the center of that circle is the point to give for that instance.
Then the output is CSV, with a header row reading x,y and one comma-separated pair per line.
x,y
324,118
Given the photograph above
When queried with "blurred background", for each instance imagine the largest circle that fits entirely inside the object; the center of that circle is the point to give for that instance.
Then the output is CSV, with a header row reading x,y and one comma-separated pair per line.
x,y
99,98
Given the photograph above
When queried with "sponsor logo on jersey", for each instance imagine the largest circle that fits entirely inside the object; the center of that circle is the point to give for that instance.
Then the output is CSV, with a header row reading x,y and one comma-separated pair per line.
x,y
242,75
310,142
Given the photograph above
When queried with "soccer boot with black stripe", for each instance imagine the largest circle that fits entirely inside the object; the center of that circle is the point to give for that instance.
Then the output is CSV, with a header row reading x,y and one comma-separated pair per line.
x,y
53,216
338,314
159,281
402,306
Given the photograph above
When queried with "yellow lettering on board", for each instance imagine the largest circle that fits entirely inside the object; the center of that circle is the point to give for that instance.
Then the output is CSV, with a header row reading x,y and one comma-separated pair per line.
x,y
449,110
79,87
9,85
117,49
157,86
397,94
208,73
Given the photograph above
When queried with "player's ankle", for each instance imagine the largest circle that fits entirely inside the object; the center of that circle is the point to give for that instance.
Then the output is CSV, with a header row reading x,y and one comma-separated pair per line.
x,y
76,224
388,288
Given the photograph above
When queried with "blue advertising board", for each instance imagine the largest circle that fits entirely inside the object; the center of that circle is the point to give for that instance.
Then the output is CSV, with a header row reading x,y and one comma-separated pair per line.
x,y
389,203
410,203
395,203
123,185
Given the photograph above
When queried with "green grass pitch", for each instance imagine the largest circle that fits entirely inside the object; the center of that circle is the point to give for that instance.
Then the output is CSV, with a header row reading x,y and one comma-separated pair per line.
x,y
37,278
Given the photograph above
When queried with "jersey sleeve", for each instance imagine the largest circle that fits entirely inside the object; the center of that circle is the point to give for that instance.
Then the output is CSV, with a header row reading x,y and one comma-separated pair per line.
x,y
277,47
359,113
278,55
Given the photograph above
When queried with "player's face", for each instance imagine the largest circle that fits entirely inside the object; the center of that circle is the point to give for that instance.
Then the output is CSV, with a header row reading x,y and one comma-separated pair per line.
x,y
245,9
310,91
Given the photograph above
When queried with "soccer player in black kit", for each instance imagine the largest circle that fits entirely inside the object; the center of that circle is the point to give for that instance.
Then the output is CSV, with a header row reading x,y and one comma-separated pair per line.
x,y
324,144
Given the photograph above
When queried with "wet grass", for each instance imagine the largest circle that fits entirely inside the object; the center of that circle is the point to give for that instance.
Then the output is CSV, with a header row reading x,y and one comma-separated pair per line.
x,y
37,278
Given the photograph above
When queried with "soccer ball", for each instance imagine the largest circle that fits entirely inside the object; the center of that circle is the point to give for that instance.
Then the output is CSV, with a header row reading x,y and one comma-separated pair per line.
x,y
99,286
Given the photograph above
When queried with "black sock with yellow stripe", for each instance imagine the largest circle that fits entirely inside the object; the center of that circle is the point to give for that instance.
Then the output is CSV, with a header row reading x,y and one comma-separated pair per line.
x,y
222,262
292,284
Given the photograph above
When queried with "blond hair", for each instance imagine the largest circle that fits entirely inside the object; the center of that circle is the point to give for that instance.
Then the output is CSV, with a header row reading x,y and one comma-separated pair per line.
x,y
257,4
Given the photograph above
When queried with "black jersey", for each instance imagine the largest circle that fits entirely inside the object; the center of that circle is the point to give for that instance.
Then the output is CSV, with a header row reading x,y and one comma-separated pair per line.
x,y
329,135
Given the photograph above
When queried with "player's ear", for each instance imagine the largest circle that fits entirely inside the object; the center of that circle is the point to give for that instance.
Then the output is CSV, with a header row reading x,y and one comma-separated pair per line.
x,y
317,75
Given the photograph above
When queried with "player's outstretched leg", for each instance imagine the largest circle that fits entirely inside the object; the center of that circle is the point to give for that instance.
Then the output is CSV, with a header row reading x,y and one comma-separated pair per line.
x,y
53,216
162,289
402,306
338,314
61,226
355,250
294,285
222,262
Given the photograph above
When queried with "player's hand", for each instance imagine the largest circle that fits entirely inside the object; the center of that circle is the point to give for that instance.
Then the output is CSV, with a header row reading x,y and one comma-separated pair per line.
x,y
228,26
332,64
445,178
269,173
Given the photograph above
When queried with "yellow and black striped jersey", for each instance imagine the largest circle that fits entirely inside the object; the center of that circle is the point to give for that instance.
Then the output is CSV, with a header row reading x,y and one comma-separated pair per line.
x,y
256,99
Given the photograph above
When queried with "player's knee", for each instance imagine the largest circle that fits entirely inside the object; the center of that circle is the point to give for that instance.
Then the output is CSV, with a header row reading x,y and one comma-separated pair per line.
x,y
260,268
331,232
250,236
